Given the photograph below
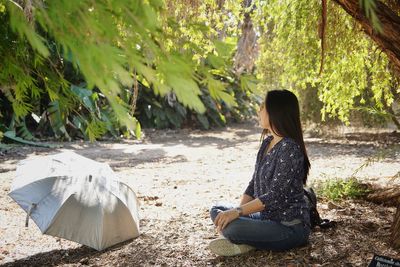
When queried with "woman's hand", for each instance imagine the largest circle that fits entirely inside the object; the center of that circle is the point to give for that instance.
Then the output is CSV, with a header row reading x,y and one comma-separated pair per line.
x,y
224,218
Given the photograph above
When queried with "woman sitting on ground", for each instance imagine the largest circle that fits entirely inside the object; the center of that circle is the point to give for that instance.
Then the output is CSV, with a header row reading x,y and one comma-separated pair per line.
x,y
273,214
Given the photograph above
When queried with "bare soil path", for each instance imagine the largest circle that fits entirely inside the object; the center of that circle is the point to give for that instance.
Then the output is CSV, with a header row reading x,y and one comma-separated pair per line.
x,y
178,175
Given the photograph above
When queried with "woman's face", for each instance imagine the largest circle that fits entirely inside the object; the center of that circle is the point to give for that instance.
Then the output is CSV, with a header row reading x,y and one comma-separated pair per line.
x,y
263,118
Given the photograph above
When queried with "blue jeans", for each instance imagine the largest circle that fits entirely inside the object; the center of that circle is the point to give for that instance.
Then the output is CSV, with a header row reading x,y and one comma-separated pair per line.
x,y
262,234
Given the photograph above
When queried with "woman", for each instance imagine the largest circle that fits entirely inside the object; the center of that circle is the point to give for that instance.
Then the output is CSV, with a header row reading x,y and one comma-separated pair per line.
x,y
272,214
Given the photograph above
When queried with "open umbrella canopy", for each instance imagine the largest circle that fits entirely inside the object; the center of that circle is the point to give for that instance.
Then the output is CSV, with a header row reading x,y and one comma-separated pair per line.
x,y
76,198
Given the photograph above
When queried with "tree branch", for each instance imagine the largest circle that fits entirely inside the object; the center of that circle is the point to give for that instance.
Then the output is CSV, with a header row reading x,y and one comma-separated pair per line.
x,y
389,39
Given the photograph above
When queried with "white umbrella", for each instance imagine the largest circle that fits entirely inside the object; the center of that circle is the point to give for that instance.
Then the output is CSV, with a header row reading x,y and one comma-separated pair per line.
x,y
76,198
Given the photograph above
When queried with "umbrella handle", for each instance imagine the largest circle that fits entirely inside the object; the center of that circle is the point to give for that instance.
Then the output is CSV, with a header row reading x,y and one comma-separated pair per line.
x,y
33,205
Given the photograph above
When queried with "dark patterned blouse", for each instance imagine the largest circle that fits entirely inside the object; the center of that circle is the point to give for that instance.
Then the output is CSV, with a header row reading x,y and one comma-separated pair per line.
x,y
278,182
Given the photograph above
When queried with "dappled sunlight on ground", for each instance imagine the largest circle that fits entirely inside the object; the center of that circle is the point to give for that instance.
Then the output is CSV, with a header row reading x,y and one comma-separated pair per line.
x,y
178,175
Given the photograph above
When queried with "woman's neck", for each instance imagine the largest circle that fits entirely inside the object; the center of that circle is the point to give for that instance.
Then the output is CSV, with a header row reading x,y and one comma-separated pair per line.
x,y
276,138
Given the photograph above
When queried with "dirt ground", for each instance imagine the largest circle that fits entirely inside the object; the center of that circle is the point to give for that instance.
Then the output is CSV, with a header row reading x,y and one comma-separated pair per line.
x,y
178,175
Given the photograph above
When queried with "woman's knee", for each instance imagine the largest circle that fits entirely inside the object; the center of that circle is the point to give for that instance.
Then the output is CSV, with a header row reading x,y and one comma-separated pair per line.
x,y
233,231
214,212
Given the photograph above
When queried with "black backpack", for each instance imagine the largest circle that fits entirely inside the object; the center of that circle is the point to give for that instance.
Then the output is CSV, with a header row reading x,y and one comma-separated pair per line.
x,y
315,219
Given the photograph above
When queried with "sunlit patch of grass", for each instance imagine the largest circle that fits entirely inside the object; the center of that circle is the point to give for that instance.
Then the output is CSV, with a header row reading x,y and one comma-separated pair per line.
x,y
336,189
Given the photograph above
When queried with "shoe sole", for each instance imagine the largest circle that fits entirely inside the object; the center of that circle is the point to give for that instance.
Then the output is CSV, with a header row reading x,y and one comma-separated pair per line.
x,y
223,247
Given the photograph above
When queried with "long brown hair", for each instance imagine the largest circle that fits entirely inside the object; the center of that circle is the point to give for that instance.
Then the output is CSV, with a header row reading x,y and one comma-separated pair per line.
x,y
284,117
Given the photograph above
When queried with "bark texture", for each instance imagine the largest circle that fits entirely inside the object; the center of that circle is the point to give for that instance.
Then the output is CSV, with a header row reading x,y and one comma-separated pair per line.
x,y
135,94
391,197
247,48
388,196
395,238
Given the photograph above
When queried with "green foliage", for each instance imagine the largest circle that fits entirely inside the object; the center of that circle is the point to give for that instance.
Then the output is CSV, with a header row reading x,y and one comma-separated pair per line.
x,y
57,121
336,189
11,135
174,49
167,112
95,128
91,117
23,132
291,55
369,6
70,65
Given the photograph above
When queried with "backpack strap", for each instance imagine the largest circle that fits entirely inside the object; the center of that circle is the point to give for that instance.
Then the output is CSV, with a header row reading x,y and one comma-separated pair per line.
x,y
325,224
314,214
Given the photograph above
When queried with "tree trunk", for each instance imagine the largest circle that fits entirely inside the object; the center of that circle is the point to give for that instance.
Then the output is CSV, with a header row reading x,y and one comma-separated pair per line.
x,y
247,49
395,238
134,94
389,39
390,197
396,99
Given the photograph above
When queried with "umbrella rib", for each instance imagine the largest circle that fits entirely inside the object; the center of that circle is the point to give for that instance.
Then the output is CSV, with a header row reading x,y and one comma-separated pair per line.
x,y
34,205
50,191
133,219
101,209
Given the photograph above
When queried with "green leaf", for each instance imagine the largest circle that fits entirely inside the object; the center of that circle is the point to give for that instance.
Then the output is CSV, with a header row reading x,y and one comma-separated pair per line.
x,y
216,61
95,129
174,117
23,131
56,121
203,121
157,3
20,24
80,124
138,130
217,89
180,109
12,136
224,49
110,121
369,7
84,95
249,82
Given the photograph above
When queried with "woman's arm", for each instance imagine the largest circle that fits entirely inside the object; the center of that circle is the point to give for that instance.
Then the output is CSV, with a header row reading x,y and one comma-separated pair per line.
x,y
225,217
246,199
253,206
250,188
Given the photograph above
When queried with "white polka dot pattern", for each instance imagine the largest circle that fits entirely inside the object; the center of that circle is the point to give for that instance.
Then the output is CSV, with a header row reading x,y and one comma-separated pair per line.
x,y
278,181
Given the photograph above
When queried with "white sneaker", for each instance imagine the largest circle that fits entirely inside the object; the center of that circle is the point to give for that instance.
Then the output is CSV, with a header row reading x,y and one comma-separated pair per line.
x,y
223,247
